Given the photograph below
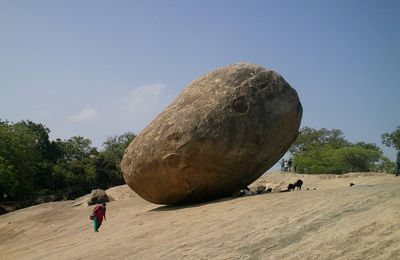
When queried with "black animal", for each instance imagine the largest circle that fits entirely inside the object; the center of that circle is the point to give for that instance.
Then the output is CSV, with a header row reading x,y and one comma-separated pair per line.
x,y
298,184
291,187
351,184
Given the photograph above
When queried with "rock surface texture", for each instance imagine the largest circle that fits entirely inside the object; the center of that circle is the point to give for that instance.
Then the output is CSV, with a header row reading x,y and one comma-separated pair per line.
x,y
220,134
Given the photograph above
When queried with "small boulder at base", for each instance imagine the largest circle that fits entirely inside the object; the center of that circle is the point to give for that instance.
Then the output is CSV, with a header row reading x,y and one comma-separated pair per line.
x,y
220,134
97,196
261,189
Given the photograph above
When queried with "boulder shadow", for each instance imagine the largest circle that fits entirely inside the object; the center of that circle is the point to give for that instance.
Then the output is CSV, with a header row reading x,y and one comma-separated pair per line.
x,y
190,205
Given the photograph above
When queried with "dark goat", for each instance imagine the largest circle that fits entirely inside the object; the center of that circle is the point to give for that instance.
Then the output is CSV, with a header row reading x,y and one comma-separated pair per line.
x,y
298,184
291,187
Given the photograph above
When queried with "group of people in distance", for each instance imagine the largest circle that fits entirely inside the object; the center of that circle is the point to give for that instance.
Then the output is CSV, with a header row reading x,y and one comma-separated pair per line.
x,y
286,165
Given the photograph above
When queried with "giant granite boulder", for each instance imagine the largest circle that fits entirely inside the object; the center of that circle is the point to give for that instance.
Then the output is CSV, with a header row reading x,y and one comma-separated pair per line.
x,y
220,134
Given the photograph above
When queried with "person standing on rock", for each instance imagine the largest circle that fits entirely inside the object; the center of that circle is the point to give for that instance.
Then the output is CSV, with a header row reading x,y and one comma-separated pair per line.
x,y
398,163
282,165
99,212
286,165
290,162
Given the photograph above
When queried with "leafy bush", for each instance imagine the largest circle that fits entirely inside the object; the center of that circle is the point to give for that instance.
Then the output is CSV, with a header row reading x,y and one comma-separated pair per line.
x,y
31,165
327,151
392,139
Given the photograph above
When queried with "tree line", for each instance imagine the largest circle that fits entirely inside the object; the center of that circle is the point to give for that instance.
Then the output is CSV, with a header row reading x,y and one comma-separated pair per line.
x,y
32,166
327,151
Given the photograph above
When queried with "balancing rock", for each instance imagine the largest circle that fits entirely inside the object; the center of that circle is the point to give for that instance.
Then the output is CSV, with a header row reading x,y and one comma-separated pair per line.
x,y
219,135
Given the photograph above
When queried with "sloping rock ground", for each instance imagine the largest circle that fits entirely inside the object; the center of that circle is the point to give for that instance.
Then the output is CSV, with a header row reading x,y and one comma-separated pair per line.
x,y
334,221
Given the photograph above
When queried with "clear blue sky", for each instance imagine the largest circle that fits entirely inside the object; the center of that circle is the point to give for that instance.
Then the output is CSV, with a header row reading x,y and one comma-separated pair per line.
x,y
101,68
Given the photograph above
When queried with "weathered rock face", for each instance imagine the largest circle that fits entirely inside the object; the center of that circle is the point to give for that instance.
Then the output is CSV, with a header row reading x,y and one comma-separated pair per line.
x,y
220,134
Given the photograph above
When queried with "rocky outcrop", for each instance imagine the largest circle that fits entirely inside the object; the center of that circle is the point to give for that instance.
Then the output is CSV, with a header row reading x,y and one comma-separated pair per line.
x,y
97,196
220,134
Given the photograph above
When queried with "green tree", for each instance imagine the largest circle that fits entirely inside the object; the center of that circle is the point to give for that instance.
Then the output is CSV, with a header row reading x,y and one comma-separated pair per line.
x,y
310,139
74,172
107,174
107,164
45,152
74,149
392,139
31,165
385,165
19,157
114,147
327,151
359,159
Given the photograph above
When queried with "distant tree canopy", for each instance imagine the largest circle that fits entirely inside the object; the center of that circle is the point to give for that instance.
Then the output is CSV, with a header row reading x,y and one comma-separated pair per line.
x,y
392,139
31,165
327,151
108,162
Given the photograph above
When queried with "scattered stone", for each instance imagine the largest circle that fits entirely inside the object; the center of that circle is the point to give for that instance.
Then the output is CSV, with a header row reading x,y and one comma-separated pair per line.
x,y
261,189
220,134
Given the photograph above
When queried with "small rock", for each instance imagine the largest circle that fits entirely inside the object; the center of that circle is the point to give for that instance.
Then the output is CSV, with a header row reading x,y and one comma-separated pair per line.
x,y
98,196
261,189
